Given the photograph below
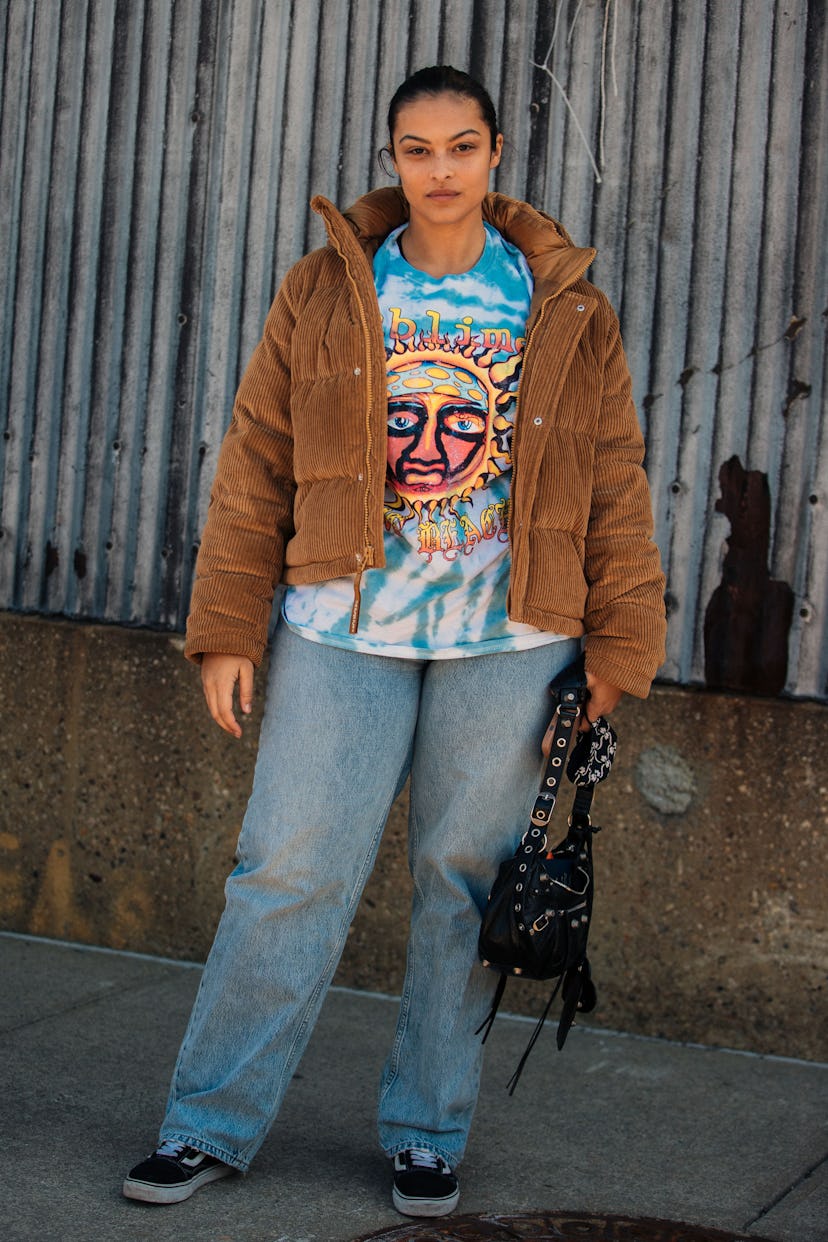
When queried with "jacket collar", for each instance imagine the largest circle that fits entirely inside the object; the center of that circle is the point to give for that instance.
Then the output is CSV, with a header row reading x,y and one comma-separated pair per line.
x,y
555,262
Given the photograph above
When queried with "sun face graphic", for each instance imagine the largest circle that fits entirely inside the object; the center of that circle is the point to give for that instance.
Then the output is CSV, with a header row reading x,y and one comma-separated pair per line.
x,y
448,430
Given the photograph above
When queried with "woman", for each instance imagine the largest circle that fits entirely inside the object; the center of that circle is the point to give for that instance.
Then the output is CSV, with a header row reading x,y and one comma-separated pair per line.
x,y
435,448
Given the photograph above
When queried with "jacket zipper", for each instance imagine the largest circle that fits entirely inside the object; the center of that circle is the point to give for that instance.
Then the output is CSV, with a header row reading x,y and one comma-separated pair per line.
x,y
365,558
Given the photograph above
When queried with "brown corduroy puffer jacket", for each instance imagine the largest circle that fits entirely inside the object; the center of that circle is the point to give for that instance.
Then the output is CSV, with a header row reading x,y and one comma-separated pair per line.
x,y
298,493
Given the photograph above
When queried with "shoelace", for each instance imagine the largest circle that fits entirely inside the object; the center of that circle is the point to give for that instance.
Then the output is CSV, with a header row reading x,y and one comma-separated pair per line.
x,y
420,1158
170,1148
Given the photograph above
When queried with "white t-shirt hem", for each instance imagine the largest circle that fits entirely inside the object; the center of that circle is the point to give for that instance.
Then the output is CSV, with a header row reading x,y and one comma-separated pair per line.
x,y
490,646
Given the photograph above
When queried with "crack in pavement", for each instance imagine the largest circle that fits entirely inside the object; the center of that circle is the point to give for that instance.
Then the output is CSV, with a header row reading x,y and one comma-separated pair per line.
x,y
783,1194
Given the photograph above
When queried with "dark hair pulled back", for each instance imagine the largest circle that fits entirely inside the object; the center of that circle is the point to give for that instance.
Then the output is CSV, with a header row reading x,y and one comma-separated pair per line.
x,y
441,80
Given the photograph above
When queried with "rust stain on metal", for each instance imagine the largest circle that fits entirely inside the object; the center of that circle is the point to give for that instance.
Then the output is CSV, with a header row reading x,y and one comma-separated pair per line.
x,y
795,326
798,389
749,616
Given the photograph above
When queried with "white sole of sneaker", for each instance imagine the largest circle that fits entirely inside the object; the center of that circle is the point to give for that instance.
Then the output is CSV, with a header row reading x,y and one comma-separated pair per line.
x,y
148,1192
424,1207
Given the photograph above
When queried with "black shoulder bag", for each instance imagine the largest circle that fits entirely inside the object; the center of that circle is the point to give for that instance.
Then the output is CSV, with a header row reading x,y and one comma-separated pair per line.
x,y
537,918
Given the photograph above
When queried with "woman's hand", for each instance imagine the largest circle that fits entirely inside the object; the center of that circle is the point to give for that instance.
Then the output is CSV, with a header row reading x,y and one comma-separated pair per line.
x,y
603,698
219,675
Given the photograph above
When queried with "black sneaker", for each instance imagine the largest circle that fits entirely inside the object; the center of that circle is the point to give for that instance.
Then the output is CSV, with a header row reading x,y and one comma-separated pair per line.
x,y
173,1173
424,1185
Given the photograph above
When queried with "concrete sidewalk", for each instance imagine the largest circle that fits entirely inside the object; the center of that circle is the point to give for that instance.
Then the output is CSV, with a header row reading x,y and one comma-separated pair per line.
x,y
614,1123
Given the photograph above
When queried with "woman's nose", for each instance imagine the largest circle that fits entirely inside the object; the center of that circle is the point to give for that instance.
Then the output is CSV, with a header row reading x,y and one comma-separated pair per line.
x,y
441,167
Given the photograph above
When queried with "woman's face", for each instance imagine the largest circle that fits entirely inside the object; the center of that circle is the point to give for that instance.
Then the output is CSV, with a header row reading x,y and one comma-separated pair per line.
x,y
442,152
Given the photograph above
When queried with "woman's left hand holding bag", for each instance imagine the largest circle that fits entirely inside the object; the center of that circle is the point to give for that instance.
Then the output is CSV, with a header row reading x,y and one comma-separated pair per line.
x,y
602,699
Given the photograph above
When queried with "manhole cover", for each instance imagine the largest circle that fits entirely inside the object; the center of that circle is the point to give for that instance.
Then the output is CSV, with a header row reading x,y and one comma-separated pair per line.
x,y
553,1227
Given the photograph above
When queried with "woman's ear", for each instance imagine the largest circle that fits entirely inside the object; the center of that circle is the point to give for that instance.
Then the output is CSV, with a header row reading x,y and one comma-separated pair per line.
x,y
385,159
497,152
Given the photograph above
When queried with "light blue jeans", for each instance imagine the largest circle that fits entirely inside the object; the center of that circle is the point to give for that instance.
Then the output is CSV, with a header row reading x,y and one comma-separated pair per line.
x,y
340,734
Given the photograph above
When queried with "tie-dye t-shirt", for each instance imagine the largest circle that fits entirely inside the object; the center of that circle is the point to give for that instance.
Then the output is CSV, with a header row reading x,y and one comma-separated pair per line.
x,y
454,347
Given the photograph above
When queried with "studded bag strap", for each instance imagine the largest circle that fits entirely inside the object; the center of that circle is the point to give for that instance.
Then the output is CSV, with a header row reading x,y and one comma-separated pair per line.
x,y
563,727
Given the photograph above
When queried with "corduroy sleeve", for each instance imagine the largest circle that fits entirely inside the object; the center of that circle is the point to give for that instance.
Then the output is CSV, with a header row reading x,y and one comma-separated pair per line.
x,y
250,516
624,617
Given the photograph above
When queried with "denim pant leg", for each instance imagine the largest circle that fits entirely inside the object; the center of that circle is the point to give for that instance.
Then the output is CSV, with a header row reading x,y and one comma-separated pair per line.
x,y
334,749
475,773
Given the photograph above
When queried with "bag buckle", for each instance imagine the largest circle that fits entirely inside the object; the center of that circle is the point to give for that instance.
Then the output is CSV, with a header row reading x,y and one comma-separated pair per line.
x,y
542,810
569,702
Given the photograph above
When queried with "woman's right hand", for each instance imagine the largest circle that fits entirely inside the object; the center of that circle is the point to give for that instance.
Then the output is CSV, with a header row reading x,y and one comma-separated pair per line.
x,y
219,675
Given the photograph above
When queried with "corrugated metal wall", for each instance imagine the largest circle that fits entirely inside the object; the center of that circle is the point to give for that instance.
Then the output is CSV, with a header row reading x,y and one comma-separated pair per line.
x,y
156,157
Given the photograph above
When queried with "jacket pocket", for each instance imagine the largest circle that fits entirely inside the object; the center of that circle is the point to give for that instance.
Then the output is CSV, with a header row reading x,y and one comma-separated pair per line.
x,y
563,486
556,581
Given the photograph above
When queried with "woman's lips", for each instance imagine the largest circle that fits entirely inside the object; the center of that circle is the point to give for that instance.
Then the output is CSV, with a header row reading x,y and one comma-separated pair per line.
x,y
440,195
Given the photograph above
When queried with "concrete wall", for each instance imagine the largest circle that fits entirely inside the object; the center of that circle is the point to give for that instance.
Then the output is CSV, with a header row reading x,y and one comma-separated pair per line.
x,y
122,802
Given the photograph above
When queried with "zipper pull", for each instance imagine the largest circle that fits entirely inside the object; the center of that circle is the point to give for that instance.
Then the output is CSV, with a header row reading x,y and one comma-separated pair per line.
x,y
354,626
365,560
